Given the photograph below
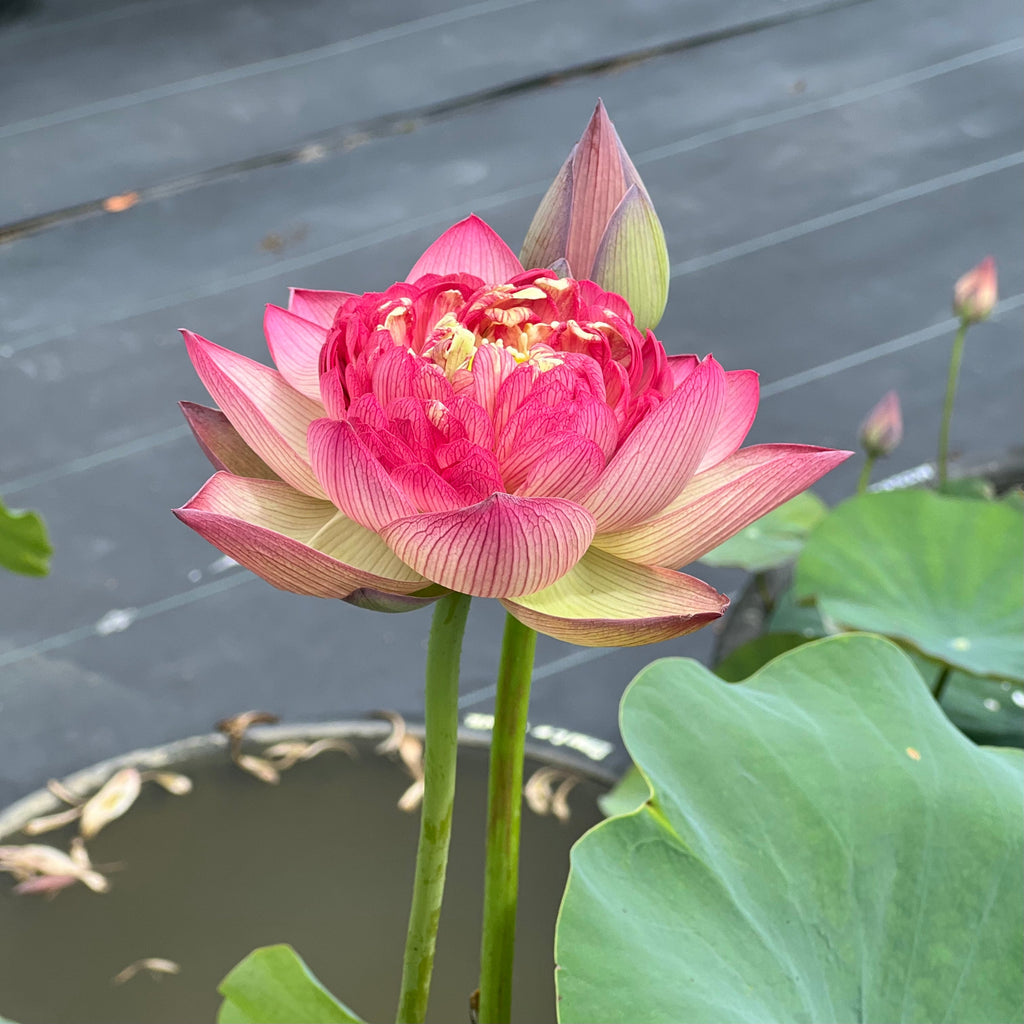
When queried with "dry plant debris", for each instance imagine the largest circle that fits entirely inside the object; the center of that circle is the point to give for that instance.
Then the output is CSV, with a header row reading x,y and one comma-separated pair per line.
x,y
155,966
280,756
409,751
547,791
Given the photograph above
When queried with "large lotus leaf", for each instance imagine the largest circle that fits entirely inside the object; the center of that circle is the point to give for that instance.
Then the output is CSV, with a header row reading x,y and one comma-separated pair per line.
x,y
24,546
822,846
943,574
772,540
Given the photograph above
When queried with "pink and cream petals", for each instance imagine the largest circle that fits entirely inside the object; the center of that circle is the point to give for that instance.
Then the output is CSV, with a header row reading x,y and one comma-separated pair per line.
x,y
490,431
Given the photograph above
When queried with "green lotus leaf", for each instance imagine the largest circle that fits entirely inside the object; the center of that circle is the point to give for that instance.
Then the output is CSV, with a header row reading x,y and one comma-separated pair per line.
x,y
821,845
273,985
24,547
943,574
772,540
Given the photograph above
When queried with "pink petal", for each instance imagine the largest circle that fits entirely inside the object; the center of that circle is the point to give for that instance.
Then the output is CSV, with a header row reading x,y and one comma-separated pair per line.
x,y
469,247
222,444
655,461
605,601
292,541
427,491
267,412
318,306
295,345
681,367
355,481
565,470
598,185
742,394
501,547
722,500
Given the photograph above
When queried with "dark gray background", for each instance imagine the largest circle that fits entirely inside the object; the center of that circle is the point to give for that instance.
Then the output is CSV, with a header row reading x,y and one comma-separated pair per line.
x,y
824,171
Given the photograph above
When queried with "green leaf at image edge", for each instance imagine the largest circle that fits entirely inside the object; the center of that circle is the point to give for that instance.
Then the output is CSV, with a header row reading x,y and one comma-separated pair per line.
x,y
773,540
822,845
945,575
24,547
273,985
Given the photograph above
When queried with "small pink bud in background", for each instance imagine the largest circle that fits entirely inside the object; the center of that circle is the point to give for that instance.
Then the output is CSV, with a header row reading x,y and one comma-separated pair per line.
x,y
976,293
882,431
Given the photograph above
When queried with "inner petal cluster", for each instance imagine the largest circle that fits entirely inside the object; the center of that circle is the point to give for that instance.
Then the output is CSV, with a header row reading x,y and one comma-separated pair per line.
x,y
461,390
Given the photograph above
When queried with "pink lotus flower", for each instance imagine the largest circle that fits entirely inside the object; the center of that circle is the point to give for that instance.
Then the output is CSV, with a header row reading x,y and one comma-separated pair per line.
x,y
488,430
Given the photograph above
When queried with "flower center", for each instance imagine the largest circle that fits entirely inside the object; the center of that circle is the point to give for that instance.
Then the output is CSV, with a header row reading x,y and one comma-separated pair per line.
x,y
452,345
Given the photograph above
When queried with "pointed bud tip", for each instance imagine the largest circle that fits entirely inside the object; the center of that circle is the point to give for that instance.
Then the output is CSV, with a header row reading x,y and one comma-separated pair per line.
x,y
977,292
882,430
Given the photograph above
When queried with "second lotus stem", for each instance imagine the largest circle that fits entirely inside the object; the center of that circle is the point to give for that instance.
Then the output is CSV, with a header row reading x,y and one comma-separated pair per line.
x,y
504,811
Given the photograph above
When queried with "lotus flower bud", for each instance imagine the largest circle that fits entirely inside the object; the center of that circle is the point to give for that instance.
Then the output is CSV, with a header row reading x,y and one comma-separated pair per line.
x,y
882,431
597,222
976,293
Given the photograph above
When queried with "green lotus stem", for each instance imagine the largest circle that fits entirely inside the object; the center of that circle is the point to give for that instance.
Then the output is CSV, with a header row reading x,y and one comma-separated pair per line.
x,y
504,810
865,474
440,750
947,409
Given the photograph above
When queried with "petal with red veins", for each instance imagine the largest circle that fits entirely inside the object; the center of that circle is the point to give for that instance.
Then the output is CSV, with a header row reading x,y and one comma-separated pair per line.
x,y
742,394
318,306
598,184
604,601
500,547
354,480
721,501
222,444
426,489
469,247
565,470
295,345
270,415
292,541
656,460
681,367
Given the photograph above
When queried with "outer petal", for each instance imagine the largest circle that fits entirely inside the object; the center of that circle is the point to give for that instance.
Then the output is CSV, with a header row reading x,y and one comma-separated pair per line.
x,y
548,234
356,482
742,394
681,367
295,345
502,546
599,183
318,306
222,444
294,542
469,247
654,463
271,416
632,259
722,500
605,601
378,601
